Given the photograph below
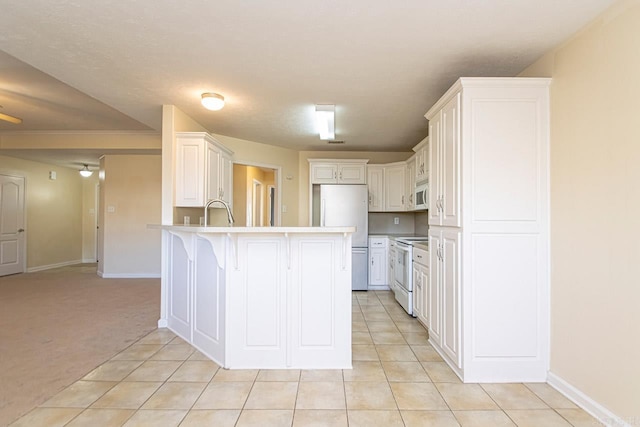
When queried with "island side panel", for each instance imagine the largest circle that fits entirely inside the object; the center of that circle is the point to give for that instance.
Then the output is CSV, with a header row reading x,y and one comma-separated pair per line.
x,y
179,288
209,302
319,289
256,304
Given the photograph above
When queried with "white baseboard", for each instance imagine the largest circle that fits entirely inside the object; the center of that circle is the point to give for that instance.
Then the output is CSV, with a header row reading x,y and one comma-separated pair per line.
x,y
598,411
129,275
89,261
50,266
162,323
100,273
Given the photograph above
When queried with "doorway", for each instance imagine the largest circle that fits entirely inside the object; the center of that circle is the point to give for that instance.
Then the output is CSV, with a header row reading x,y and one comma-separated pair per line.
x,y
12,223
256,194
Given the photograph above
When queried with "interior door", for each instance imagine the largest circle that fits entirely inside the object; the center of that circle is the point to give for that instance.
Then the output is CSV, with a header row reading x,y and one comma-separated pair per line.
x,y
12,240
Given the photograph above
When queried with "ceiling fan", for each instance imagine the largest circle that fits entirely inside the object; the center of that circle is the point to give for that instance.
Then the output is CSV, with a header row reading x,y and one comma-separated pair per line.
x,y
8,118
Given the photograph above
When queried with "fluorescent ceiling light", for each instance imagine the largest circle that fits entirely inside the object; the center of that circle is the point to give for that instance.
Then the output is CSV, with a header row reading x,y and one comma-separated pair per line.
x,y
8,118
85,172
325,118
212,101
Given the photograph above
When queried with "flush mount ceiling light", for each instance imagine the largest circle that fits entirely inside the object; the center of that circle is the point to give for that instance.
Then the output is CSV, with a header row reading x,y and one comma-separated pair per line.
x,y
212,101
325,119
85,172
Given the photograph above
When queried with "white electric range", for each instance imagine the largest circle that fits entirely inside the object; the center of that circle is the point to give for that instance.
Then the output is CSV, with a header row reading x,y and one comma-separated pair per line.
x,y
403,270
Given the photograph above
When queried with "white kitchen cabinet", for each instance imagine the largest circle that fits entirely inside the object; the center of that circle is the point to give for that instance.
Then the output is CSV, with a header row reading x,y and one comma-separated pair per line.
x,y
378,261
375,185
422,160
203,170
444,244
394,184
444,181
488,291
420,284
410,185
338,171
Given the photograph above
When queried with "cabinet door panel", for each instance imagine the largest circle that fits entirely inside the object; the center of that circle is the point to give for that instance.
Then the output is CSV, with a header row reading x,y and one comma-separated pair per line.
x,y
256,318
213,175
434,288
394,184
324,173
190,172
318,302
451,294
375,185
435,168
377,266
450,174
352,174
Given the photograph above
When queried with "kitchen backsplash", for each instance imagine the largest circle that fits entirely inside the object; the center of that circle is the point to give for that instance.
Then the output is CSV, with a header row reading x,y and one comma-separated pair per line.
x,y
408,222
421,223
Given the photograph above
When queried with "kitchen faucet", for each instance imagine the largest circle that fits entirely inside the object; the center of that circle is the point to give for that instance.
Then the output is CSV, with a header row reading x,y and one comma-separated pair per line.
x,y
225,204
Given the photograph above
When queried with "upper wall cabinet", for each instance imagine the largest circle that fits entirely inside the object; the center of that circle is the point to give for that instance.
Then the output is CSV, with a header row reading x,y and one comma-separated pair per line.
x,y
375,185
394,184
204,170
422,160
338,171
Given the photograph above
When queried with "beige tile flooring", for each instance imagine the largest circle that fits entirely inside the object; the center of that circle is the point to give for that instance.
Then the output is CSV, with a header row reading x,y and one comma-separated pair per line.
x,y
397,379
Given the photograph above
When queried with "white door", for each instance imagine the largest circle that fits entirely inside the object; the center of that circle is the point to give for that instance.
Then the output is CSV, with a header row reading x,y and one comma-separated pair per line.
x,y
12,240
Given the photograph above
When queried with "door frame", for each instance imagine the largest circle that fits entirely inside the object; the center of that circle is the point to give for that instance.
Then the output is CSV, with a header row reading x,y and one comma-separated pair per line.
x,y
18,174
277,178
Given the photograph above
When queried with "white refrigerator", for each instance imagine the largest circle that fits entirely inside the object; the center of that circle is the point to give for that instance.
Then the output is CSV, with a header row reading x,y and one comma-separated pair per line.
x,y
342,206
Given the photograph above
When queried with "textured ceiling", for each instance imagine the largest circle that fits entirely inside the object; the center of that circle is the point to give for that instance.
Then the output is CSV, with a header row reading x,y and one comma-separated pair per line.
x,y
383,64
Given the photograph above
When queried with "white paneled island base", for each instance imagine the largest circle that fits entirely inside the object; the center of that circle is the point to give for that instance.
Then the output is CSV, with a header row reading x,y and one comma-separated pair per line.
x,y
260,298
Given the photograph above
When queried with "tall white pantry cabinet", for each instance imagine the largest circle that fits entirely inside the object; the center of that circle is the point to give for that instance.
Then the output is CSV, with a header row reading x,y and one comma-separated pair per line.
x,y
488,296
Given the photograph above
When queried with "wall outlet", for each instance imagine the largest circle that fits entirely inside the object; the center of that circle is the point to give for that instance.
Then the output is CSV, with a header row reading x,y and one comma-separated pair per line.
x,y
111,209
52,175
396,220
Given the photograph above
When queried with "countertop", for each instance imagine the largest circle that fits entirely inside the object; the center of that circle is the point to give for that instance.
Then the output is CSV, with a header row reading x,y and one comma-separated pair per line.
x,y
251,230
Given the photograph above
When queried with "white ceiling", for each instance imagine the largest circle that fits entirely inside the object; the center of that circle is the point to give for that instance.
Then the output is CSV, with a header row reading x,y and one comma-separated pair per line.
x,y
382,63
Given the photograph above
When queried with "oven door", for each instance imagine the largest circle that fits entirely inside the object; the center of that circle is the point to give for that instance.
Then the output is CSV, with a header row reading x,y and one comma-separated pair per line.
x,y
402,269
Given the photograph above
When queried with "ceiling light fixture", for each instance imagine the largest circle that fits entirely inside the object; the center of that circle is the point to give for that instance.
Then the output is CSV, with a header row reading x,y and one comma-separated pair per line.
x,y
212,101
85,172
325,119
8,118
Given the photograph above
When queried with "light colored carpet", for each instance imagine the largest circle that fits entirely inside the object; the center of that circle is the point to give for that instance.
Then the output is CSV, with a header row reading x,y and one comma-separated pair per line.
x,y
59,324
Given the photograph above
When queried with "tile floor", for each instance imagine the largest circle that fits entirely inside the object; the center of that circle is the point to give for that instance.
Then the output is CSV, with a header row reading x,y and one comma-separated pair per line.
x,y
397,379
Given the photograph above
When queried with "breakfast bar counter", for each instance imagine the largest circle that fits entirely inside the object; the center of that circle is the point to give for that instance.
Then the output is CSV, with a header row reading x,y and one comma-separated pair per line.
x,y
260,297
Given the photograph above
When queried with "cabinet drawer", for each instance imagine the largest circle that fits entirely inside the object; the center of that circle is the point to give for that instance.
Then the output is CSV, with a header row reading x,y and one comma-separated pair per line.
x,y
420,256
378,242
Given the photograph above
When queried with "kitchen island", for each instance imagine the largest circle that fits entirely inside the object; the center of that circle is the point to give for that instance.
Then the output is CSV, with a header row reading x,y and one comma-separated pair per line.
x,y
260,297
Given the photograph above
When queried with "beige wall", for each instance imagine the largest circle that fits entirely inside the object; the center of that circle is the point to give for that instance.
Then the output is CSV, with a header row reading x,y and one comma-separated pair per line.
x,y
53,209
89,218
595,209
132,188
240,194
303,170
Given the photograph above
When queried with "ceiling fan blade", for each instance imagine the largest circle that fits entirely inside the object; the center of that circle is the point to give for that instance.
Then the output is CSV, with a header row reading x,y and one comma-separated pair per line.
x,y
8,118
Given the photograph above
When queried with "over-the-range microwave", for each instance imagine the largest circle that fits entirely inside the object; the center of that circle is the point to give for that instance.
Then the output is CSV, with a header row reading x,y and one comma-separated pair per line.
x,y
421,196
